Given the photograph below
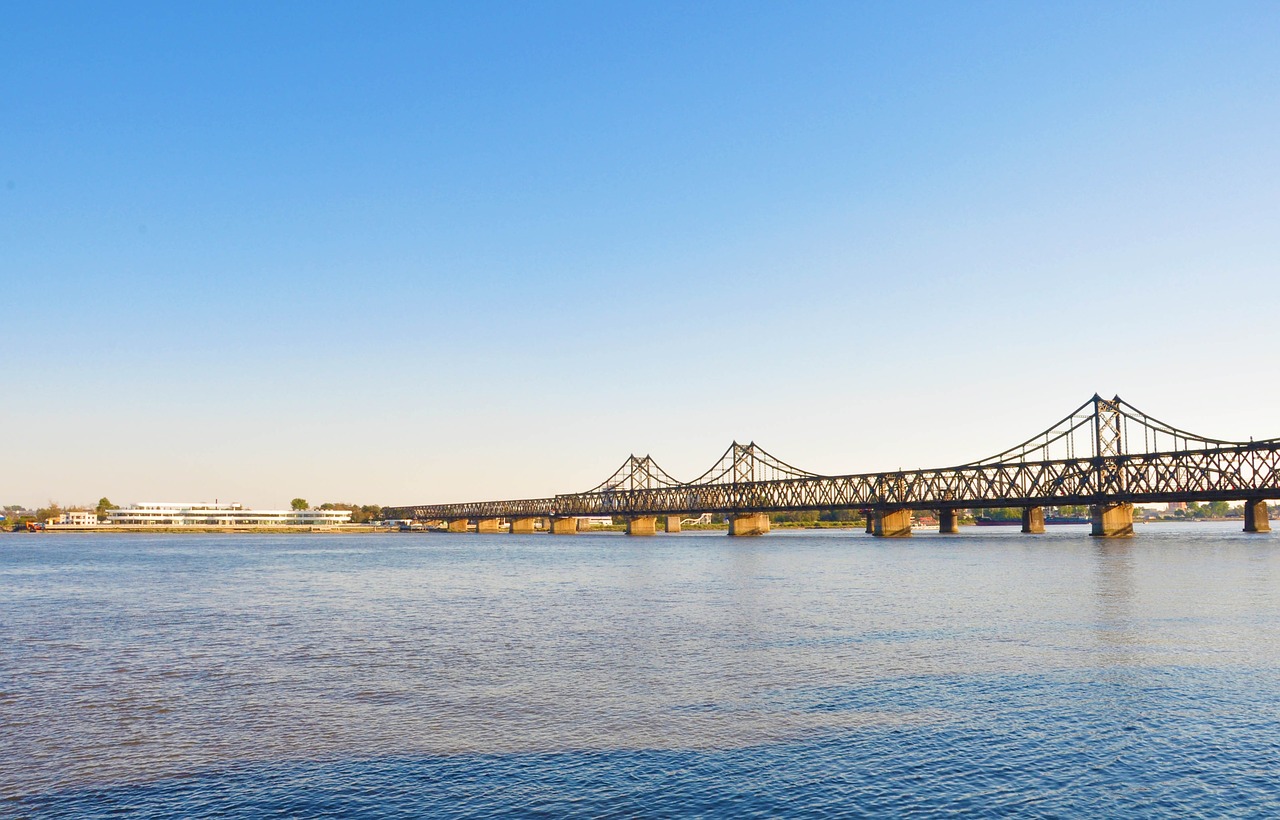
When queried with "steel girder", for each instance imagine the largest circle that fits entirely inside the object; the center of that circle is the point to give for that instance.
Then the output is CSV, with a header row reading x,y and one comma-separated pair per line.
x,y
1228,473
747,479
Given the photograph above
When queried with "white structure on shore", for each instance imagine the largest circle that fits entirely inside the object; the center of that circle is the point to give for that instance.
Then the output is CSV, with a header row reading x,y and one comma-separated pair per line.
x,y
75,518
205,514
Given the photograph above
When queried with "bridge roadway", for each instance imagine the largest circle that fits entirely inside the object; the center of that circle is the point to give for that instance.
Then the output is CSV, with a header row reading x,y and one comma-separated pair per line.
x,y
1106,454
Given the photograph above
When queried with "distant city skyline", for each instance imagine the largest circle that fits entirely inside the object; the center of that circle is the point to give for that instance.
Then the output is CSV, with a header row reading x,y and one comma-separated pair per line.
x,y
432,253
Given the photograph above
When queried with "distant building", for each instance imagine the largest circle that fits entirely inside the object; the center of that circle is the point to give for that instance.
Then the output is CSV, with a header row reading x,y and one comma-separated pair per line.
x,y
75,518
204,514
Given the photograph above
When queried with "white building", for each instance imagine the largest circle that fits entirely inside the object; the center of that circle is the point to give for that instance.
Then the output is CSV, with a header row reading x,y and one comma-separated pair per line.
x,y
75,518
204,514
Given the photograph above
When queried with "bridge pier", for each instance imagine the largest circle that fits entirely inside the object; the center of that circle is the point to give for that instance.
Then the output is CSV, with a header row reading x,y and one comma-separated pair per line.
x,y
642,525
871,521
949,521
1033,520
673,523
457,525
749,524
564,526
1255,516
522,526
892,524
486,525
1112,520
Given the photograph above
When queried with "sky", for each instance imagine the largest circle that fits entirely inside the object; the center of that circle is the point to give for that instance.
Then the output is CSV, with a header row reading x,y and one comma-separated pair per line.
x,y
404,253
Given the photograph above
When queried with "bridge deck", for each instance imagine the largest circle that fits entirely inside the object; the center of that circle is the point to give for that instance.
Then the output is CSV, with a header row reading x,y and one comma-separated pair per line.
x,y
748,480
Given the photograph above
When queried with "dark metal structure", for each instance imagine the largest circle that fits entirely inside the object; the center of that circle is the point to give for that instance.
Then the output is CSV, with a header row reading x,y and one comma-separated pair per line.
x,y
1106,451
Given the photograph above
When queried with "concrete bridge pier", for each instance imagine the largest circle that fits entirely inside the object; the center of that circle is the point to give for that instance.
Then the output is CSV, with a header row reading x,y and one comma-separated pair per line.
x,y
522,526
871,521
673,523
564,526
1033,520
749,524
892,524
1112,520
1255,516
458,525
642,525
949,521
486,525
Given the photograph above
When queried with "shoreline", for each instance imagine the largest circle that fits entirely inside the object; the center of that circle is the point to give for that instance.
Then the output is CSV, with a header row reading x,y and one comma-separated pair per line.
x,y
369,529
351,529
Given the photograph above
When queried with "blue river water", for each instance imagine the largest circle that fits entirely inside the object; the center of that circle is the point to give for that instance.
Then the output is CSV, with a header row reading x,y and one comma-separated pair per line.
x,y
802,674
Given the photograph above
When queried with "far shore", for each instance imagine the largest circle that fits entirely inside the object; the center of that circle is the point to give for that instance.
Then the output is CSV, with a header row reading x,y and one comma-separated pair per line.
x,y
356,529
340,529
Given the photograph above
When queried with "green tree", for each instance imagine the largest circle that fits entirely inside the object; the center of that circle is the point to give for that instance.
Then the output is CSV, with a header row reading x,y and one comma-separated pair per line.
x,y
299,504
360,513
1218,509
104,504
45,513
793,517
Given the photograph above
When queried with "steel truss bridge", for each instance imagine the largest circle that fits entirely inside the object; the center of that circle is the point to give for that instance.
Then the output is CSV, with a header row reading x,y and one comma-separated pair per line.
x,y
1106,453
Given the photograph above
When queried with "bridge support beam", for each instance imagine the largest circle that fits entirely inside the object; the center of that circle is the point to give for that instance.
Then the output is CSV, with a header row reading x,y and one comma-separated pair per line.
x,y
642,525
1033,520
486,525
871,521
673,523
1112,520
892,524
749,524
522,526
564,526
458,525
949,521
1256,518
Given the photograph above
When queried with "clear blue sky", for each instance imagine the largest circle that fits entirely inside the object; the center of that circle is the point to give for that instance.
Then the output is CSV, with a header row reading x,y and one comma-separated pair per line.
x,y
398,253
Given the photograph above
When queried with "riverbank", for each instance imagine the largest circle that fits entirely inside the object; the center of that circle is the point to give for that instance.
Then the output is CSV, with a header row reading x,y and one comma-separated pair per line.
x,y
341,529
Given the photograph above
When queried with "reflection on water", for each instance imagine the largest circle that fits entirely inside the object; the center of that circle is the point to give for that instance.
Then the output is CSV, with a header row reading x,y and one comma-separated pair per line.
x,y
798,673
1114,586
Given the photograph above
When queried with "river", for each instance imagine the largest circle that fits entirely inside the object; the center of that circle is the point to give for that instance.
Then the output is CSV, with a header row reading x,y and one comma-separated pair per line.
x,y
804,673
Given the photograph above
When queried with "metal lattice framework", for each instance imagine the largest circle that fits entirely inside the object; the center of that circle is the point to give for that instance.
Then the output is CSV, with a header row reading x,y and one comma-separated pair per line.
x,y
1105,451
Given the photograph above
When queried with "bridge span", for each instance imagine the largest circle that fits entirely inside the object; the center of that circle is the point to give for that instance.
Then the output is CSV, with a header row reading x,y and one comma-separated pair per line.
x,y
1106,454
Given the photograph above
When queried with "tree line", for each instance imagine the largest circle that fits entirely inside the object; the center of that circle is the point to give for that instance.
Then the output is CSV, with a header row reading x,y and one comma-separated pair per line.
x,y
360,513
16,514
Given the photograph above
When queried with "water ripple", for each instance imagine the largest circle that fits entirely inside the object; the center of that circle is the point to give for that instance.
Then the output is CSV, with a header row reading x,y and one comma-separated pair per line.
x,y
813,675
